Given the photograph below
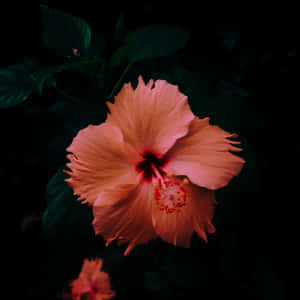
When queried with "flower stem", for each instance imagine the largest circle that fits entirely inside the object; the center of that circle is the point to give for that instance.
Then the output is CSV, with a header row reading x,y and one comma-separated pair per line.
x,y
120,80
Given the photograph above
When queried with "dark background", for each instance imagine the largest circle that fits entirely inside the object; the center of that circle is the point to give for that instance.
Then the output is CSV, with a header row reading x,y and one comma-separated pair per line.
x,y
260,256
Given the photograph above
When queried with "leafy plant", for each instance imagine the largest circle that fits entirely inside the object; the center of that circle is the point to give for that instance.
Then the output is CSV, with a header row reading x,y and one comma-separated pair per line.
x,y
15,85
87,67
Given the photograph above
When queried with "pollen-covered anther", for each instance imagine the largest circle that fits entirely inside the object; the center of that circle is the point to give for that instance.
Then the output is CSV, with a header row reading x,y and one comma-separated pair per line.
x,y
185,181
170,194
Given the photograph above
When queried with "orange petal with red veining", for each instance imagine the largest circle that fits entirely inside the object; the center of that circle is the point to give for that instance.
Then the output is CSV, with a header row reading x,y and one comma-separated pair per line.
x,y
99,158
204,155
92,282
125,212
151,117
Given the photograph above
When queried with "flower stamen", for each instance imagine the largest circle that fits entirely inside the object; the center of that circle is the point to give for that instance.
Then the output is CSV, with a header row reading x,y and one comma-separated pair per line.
x,y
160,178
185,181
169,192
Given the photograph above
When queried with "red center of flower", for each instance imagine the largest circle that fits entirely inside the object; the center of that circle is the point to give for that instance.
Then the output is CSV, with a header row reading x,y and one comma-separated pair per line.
x,y
169,191
93,290
151,158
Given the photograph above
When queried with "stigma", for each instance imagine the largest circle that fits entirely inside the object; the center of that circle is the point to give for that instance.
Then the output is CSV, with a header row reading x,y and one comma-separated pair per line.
x,y
170,193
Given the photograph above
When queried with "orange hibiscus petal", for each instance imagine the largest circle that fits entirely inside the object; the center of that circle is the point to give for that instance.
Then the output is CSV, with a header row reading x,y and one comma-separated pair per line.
x,y
181,208
92,283
80,286
99,159
91,268
203,206
125,212
151,117
176,227
204,155
102,283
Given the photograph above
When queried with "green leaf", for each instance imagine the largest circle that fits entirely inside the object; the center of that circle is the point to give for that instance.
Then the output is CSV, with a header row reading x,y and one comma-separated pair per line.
x,y
119,56
94,64
41,77
65,217
41,74
156,40
150,42
45,75
64,33
15,85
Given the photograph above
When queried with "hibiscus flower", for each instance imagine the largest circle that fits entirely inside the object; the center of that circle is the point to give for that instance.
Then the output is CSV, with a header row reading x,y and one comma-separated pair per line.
x,y
91,282
152,167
